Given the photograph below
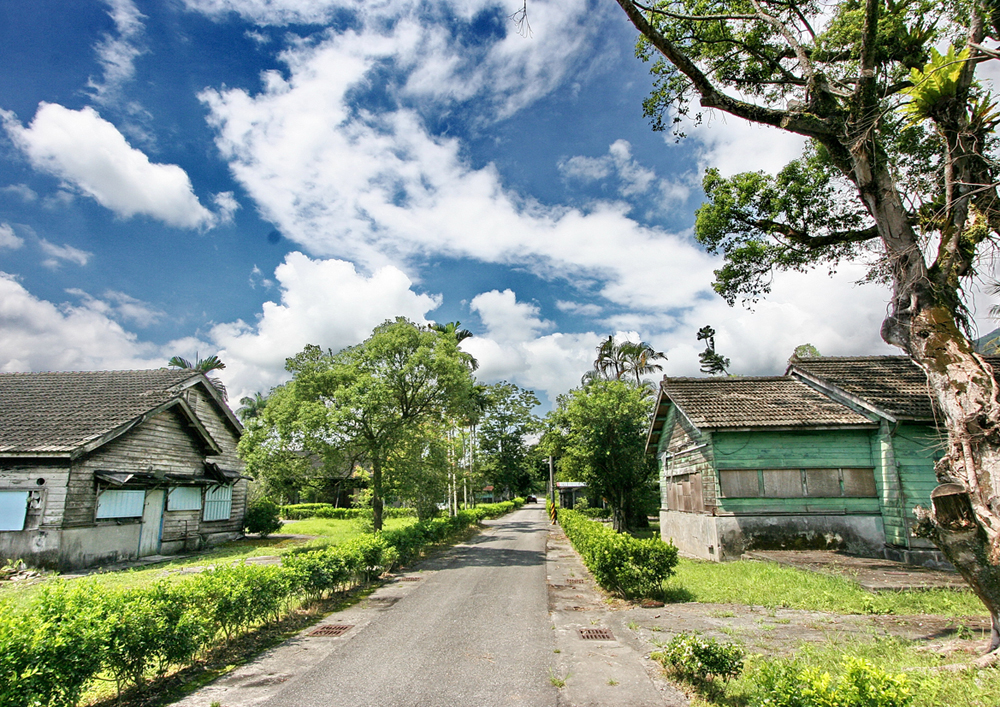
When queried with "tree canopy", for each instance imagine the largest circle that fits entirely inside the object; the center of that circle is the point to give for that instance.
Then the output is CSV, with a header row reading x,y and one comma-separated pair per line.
x,y
507,421
898,171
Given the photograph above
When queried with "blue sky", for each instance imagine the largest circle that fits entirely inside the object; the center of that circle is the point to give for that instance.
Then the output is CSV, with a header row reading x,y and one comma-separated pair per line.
x,y
244,177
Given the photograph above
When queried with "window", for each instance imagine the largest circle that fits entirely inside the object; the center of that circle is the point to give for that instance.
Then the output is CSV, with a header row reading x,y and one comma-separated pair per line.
x,y
120,503
218,503
184,498
13,509
798,483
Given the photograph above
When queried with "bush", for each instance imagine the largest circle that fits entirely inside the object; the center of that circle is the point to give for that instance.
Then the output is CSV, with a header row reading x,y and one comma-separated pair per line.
x,y
50,651
698,659
619,562
262,518
325,510
861,684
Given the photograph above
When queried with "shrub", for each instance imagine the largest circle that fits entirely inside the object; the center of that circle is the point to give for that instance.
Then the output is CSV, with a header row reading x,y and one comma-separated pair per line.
x,y
861,684
262,518
698,659
319,571
49,652
325,510
619,562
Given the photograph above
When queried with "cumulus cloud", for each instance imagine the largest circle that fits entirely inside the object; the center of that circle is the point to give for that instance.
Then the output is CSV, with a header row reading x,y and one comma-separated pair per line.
x,y
59,254
732,145
91,155
117,52
23,191
9,239
505,318
42,336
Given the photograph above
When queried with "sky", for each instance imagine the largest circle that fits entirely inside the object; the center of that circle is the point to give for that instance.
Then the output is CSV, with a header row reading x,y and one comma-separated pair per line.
x,y
245,177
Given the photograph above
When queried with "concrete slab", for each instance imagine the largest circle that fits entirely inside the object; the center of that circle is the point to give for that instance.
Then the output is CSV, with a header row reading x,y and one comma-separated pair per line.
x,y
872,574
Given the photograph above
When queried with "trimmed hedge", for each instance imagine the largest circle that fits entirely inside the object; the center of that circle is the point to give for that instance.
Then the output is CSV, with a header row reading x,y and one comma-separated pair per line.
x,y
619,562
73,632
300,511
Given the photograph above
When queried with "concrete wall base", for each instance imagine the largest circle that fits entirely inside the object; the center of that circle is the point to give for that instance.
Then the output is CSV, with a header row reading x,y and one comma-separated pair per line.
x,y
931,559
728,537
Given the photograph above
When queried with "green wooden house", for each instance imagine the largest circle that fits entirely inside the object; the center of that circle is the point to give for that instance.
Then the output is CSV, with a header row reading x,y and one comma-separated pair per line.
x,y
834,454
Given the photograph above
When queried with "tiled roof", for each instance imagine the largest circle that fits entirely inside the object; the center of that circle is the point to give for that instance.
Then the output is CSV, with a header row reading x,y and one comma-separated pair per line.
x,y
756,402
893,384
59,412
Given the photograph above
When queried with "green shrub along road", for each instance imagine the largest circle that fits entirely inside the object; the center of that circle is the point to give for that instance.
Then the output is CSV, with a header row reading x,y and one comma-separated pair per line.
x,y
74,632
299,511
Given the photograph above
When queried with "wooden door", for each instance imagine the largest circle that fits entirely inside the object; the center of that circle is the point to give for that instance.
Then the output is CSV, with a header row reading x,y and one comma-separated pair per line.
x,y
152,523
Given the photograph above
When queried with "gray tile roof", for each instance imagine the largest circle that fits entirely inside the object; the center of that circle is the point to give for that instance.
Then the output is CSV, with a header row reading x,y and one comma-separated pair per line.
x,y
756,403
59,412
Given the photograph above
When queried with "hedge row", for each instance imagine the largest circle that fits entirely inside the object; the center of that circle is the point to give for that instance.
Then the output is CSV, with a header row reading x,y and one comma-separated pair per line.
x,y
299,511
74,632
619,562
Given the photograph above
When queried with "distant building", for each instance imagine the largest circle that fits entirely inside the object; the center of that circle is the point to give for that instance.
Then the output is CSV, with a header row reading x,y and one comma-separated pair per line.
x,y
834,454
570,492
104,466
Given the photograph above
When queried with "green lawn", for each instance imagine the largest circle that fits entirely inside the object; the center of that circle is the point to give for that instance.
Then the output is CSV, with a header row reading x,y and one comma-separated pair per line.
x,y
776,586
328,532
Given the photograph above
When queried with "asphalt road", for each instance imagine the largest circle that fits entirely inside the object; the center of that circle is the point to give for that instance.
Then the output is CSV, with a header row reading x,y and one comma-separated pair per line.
x,y
475,631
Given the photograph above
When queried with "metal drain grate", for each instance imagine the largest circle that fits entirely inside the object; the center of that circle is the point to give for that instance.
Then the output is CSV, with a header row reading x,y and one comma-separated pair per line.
x,y
410,579
596,634
576,581
331,630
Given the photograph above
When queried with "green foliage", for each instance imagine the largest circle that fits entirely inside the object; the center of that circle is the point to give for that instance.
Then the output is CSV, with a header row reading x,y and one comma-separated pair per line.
x,y
262,518
935,84
326,510
619,562
860,684
506,421
696,658
600,431
50,651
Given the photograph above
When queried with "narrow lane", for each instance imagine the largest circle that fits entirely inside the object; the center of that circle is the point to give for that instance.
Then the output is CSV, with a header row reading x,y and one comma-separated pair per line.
x,y
475,632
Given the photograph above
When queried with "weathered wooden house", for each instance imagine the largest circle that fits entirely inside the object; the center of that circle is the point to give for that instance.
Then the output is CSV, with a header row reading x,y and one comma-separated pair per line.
x,y
104,466
836,453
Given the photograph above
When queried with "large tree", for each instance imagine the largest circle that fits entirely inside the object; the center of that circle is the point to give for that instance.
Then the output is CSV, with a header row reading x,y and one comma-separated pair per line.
x,y
506,421
373,401
898,170
598,432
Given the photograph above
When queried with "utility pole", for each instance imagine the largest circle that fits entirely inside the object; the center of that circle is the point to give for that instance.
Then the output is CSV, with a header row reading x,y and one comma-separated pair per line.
x,y
552,481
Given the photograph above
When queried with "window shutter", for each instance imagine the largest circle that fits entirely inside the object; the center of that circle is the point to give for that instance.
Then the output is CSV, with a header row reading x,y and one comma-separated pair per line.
x,y
120,503
218,503
13,509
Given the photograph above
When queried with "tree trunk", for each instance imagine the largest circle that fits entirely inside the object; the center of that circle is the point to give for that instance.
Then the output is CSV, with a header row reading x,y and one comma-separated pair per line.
x,y
377,502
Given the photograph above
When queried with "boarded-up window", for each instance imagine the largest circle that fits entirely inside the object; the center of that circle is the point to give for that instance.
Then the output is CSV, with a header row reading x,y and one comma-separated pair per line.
x,y
739,483
782,483
823,483
218,503
13,509
859,483
184,498
120,503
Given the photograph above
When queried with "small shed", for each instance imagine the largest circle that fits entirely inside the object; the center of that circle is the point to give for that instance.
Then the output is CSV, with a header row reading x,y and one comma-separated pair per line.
x,y
105,466
570,492
836,453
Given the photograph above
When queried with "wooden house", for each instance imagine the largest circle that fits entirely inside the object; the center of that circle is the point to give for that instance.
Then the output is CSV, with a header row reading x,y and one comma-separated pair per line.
x,y
834,454
105,466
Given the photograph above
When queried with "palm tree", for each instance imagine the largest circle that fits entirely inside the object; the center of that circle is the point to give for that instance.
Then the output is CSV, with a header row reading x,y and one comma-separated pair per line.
x,y
616,360
452,329
251,408
204,366
640,359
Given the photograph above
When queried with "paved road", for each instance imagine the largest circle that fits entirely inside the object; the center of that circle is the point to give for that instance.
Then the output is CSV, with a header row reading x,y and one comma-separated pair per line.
x,y
474,631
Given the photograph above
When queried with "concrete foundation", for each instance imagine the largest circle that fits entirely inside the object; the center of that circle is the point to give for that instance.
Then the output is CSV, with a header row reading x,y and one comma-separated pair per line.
x,y
728,537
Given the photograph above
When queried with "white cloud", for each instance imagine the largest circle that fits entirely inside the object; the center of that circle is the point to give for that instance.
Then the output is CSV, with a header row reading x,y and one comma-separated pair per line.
x,y
26,193
41,336
9,239
89,153
581,309
59,254
733,145
117,54
323,302
507,319
227,205
120,306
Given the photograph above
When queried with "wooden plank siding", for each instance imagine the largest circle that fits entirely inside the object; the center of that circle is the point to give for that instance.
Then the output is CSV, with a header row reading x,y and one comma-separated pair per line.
x,y
780,454
226,437
687,475
917,447
49,500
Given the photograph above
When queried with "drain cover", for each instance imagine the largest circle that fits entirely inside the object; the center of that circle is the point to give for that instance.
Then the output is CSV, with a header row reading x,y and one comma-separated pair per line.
x,y
596,634
576,581
409,579
331,630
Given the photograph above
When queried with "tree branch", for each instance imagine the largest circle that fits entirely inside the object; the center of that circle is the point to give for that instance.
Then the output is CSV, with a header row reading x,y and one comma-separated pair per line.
x,y
803,239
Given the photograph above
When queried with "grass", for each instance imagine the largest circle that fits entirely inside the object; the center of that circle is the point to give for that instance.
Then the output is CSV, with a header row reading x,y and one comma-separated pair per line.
x,y
328,530
930,688
776,586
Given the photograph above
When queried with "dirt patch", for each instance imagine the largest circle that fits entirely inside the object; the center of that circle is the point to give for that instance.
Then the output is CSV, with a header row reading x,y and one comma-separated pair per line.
x,y
872,574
